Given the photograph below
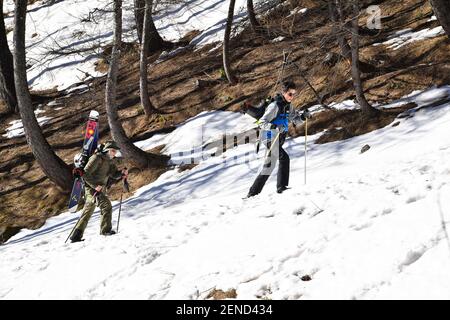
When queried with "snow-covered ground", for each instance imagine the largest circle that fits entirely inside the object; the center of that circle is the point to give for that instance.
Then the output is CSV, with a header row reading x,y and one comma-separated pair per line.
x,y
344,105
420,97
65,38
204,128
404,37
297,11
380,235
16,127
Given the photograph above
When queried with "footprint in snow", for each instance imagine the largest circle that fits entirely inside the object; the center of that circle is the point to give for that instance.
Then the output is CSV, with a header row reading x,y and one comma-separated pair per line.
x,y
42,268
382,213
195,229
299,211
41,243
424,169
149,258
411,257
226,207
361,226
264,292
414,198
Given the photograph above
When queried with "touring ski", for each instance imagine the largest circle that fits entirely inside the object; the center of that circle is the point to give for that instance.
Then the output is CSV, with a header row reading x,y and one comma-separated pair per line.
x,y
81,159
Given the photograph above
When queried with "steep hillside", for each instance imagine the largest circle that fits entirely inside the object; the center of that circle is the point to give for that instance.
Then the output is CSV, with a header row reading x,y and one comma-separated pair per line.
x,y
410,53
366,226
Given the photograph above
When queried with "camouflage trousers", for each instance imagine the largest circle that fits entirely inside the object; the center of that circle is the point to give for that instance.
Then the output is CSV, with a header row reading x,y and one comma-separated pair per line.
x,y
100,200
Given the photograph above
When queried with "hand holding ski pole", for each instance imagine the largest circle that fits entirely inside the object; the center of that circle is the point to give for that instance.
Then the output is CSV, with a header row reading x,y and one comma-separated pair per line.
x,y
306,144
306,115
125,174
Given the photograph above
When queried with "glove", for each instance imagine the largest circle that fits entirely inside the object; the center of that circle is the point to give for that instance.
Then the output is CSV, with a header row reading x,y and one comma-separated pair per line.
x,y
282,129
77,172
306,115
126,186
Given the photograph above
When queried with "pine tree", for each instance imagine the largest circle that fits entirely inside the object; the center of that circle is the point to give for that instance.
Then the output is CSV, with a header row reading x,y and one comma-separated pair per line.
x,y
143,65
356,71
441,9
226,44
54,168
128,149
7,88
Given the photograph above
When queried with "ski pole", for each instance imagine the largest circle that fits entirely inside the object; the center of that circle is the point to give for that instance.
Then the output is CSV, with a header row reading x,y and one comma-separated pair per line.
x,y
120,209
320,210
306,143
127,189
72,230
274,142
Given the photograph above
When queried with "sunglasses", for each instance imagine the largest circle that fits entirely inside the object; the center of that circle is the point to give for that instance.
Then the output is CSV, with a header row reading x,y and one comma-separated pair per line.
x,y
290,94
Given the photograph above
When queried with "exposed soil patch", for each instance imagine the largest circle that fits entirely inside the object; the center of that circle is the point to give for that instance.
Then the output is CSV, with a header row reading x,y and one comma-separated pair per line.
x,y
218,294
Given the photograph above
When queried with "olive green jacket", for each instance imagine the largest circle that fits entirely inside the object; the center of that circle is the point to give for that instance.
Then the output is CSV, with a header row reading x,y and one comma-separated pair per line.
x,y
98,169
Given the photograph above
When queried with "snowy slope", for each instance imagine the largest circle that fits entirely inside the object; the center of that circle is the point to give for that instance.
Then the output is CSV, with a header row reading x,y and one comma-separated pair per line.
x,y
380,235
65,38
204,128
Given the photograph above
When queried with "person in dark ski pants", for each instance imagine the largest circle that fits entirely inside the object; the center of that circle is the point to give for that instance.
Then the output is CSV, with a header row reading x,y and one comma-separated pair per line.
x,y
275,123
99,168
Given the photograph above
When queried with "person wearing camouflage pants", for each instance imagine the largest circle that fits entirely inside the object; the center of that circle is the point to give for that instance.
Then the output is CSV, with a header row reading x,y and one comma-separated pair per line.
x,y
99,168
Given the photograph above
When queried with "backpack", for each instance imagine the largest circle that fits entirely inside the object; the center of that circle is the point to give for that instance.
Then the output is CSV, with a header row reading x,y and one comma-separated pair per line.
x,y
81,159
258,111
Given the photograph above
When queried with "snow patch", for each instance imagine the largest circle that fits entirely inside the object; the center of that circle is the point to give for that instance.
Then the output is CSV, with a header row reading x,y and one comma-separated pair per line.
x,y
16,127
189,138
65,39
404,37
190,231
279,39
422,97
297,11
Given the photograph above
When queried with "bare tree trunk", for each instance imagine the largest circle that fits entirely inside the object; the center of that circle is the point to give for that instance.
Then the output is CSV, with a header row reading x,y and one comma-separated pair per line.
x,y
7,89
256,26
356,72
155,40
226,43
139,6
441,9
335,9
337,16
143,84
54,168
128,149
